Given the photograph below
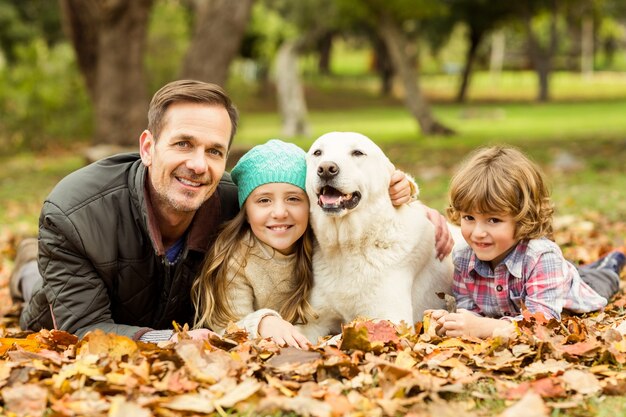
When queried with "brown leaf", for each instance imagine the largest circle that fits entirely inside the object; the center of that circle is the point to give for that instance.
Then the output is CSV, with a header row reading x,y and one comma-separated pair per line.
x,y
109,345
450,301
582,382
25,400
531,405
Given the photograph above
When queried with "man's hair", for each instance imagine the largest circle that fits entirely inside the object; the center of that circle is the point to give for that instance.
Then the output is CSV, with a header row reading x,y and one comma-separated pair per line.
x,y
503,180
189,91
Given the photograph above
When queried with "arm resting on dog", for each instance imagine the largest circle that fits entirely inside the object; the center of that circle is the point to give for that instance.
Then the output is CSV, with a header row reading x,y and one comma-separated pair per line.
x,y
403,189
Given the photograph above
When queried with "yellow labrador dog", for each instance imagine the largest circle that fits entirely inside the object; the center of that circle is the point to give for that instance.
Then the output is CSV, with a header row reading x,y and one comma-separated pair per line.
x,y
371,259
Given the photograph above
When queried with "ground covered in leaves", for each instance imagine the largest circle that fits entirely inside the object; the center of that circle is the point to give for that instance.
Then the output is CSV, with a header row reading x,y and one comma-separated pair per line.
x,y
573,367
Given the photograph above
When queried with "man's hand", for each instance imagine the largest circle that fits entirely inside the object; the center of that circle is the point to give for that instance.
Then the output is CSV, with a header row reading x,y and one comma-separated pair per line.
x,y
443,238
399,188
283,332
196,334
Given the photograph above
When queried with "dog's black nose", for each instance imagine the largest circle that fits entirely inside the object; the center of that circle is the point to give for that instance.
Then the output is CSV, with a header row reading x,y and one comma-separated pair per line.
x,y
327,170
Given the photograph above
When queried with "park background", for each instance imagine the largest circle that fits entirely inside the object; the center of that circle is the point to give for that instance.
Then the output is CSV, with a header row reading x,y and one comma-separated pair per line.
x,y
429,81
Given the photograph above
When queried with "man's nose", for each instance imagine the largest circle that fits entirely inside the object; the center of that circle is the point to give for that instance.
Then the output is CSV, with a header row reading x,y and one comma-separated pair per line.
x,y
197,162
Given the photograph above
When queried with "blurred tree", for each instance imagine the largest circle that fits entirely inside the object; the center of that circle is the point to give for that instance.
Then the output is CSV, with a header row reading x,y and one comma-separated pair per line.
x,y
306,23
109,37
168,39
382,64
324,48
481,17
397,22
219,29
541,53
22,21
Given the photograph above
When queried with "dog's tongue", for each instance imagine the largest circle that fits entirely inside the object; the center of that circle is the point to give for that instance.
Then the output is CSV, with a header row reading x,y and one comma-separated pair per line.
x,y
330,199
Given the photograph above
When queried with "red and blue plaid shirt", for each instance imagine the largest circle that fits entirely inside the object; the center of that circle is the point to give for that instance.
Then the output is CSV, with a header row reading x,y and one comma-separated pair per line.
x,y
534,272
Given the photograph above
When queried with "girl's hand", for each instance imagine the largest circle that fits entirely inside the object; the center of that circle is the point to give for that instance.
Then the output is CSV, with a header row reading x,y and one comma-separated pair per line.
x,y
399,188
282,332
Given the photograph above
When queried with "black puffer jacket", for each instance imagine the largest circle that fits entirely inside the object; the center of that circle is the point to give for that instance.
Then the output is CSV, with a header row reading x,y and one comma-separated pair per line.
x,y
102,259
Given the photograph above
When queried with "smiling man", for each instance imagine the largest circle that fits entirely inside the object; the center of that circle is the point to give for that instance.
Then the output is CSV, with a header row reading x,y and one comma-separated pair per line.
x,y
122,239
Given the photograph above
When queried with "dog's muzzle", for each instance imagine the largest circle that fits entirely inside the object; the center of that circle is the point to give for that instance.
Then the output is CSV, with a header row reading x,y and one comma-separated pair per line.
x,y
332,200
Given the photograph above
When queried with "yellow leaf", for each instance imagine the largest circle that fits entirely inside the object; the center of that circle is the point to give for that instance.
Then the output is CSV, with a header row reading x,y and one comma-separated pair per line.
x,y
405,360
109,345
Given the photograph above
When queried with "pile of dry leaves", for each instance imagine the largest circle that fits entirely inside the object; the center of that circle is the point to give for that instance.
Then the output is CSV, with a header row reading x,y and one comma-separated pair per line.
x,y
376,370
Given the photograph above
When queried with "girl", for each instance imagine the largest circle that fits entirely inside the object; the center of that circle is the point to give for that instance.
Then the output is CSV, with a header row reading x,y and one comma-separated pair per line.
x,y
259,271
500,199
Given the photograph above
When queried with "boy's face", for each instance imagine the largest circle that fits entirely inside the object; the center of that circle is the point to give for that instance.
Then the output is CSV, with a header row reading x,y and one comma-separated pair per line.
x,y
491,236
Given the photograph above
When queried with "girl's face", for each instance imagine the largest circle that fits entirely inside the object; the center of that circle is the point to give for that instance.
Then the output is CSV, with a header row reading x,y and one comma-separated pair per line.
x,y
491,236
278,214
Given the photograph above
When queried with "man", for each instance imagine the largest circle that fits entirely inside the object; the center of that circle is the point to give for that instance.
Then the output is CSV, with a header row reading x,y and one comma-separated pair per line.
x,y
121,240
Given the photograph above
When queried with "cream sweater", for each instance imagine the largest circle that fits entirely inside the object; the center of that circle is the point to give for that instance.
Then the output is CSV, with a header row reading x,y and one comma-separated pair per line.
x,y
261,286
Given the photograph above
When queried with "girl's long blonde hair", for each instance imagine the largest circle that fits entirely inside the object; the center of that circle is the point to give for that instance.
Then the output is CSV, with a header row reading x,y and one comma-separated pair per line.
x,y
209,291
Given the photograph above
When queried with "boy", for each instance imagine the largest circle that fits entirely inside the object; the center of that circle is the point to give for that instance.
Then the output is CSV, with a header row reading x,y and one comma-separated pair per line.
x,y
500,199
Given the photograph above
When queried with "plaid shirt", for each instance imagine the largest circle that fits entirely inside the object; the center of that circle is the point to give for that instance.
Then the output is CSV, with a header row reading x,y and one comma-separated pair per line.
x,y
534,273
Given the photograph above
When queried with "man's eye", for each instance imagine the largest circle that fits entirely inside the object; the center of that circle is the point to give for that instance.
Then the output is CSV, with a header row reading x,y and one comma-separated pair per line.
x,y
216,152
182,144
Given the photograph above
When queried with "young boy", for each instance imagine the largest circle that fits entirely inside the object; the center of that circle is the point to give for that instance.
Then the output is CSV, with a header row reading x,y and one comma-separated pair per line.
x,y
501,201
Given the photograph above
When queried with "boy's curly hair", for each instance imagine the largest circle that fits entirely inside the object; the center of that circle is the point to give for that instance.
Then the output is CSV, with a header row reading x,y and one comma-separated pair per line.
x,y
503,180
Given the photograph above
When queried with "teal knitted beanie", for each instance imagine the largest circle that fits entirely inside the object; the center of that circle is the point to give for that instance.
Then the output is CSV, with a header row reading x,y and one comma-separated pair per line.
x,y
274,161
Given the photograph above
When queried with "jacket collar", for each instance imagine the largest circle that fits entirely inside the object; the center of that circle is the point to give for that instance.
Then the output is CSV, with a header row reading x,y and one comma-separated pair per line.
x,y
200,233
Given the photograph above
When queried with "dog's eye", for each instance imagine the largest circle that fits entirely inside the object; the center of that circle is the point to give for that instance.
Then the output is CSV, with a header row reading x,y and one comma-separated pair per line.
x,y
317,152
357,152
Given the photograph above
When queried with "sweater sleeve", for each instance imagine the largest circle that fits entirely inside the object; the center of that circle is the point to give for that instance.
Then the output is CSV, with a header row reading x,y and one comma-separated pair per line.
x,y
252,320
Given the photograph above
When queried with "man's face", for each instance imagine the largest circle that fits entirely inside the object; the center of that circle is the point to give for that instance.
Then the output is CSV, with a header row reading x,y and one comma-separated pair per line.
x,y
187,161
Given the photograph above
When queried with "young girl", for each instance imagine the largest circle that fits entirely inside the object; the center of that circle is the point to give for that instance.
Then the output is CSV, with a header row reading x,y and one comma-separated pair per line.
x,y
259,272
501,201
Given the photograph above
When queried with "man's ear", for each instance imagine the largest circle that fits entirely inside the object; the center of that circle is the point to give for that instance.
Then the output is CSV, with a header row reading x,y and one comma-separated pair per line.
x,y
146,142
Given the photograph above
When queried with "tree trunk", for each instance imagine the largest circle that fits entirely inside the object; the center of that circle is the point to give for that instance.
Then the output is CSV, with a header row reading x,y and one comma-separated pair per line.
x,y
541,58
109,38
397,44
475,37
219,30
586,47
291,101
496,58
383,65
324,48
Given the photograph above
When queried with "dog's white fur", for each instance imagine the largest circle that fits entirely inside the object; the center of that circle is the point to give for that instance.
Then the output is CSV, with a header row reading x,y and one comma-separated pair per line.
x,y
373,260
